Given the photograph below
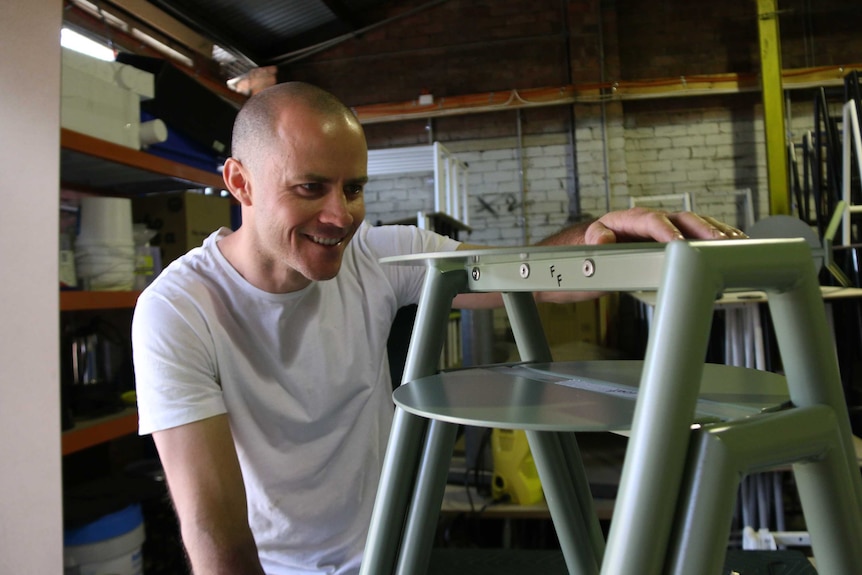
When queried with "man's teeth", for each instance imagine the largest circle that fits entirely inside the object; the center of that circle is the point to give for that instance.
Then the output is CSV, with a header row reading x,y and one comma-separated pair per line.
x,y
326,241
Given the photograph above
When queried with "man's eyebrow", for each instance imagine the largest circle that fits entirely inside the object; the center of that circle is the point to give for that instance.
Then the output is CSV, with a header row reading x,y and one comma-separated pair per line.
x,y
312,177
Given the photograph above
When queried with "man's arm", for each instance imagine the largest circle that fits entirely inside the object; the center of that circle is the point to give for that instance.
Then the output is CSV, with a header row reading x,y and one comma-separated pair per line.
x,y
632,225
206,485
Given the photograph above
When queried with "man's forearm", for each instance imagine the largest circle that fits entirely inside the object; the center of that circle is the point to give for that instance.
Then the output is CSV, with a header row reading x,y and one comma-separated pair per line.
x,y
206,486
226,554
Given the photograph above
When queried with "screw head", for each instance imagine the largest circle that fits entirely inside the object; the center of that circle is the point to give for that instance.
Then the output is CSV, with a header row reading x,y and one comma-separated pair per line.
x,y
476,274
588,267
524,271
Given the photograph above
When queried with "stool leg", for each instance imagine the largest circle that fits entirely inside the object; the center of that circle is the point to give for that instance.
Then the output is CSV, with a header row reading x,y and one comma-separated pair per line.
x,y
390,511
721,453
393,493
571,509
427,499
578,473
557,457
825,490
575,521
810,361
707,498
811,365
527,327
655,458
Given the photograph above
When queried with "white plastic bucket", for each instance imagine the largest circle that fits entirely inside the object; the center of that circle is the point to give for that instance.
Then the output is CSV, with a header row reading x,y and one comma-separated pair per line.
x,y
104,266
107,220
110,545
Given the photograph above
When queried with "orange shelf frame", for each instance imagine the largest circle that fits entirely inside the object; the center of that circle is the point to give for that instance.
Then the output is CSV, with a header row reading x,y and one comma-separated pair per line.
x,y
93,432
87,300
110,151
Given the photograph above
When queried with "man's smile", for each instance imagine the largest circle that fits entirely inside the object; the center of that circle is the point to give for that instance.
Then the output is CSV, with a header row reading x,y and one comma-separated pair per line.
x,y
325,241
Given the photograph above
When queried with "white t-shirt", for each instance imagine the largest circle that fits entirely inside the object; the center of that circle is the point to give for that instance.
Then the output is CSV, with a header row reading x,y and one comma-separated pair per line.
x,y
303,377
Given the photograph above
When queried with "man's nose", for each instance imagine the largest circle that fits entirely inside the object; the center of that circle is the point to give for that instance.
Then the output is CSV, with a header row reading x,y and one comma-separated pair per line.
x,y
336,209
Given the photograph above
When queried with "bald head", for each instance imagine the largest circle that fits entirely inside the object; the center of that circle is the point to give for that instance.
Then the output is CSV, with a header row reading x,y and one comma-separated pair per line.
x,y
258,120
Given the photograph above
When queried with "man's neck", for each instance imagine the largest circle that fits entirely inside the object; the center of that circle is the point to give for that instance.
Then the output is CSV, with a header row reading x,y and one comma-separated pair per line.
x,y
256,268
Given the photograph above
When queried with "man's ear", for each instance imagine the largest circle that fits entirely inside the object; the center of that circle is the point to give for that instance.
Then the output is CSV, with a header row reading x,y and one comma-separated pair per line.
x,y
238,181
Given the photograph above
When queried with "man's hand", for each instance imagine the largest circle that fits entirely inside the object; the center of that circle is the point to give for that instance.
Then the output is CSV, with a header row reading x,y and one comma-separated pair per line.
x,y
642,224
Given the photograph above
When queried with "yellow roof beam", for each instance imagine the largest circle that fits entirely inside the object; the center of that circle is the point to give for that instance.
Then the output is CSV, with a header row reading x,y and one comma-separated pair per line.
x,y
773,107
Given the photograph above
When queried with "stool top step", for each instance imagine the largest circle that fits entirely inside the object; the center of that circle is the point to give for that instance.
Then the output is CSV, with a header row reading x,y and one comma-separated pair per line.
x,y
610,267
577,396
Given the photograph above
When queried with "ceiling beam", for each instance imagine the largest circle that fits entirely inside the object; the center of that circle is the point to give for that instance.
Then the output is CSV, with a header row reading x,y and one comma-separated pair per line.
x,y
165,24
205,70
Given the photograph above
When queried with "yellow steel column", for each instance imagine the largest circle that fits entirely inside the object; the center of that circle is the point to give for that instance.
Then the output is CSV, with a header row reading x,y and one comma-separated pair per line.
x,y
773,107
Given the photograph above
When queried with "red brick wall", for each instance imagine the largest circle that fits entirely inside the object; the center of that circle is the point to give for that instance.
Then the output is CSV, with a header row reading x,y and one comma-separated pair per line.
x,y
677,37
474,46
456,47
820,32
589,29
667,38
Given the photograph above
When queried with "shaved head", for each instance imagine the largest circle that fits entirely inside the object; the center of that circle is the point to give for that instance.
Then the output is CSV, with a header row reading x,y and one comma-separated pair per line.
x,y
298,170
258,120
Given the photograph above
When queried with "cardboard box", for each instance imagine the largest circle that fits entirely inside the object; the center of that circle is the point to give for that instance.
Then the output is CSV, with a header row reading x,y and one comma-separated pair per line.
x,y
588,321
182,220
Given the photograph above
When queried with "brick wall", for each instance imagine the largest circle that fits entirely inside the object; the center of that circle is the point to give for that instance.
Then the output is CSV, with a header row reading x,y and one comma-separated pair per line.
x,y
677,37
670,38
469,46
484,44
713,153
579,162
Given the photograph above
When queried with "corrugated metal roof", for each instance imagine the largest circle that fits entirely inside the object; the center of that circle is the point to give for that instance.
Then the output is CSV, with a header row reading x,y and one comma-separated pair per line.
x,y
262,30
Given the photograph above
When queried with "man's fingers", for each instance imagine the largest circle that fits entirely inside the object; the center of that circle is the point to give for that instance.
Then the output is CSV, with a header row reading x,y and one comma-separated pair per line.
x,y
639,224
597,233
643,224
704,227
730,231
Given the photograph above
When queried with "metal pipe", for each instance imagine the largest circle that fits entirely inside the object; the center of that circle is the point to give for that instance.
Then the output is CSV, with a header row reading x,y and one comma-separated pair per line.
x,y
605,161
574,211
522,180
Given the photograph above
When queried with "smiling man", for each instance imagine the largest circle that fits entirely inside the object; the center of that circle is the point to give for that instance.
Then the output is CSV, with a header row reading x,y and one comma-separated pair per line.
x,y
298,172
260,357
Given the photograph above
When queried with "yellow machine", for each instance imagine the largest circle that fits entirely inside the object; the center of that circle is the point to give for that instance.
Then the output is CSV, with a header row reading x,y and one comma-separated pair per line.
x,y
515,472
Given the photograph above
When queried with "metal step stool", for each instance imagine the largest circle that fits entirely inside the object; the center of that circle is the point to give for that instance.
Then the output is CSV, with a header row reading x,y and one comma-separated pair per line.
x,y
656,528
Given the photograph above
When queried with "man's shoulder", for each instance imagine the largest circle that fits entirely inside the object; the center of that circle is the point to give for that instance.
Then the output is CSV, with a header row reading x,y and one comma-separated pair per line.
x,y
399,239
378,241
368,231
190,272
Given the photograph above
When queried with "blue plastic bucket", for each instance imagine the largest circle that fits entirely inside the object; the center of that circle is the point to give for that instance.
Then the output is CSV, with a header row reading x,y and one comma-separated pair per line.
x,y
111,545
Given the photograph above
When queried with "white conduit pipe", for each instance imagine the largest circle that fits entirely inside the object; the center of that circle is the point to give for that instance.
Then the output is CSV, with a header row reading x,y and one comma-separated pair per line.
x,y
851,130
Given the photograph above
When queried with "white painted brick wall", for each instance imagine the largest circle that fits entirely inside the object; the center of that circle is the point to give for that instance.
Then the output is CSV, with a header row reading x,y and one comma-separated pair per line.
x,y
709,153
